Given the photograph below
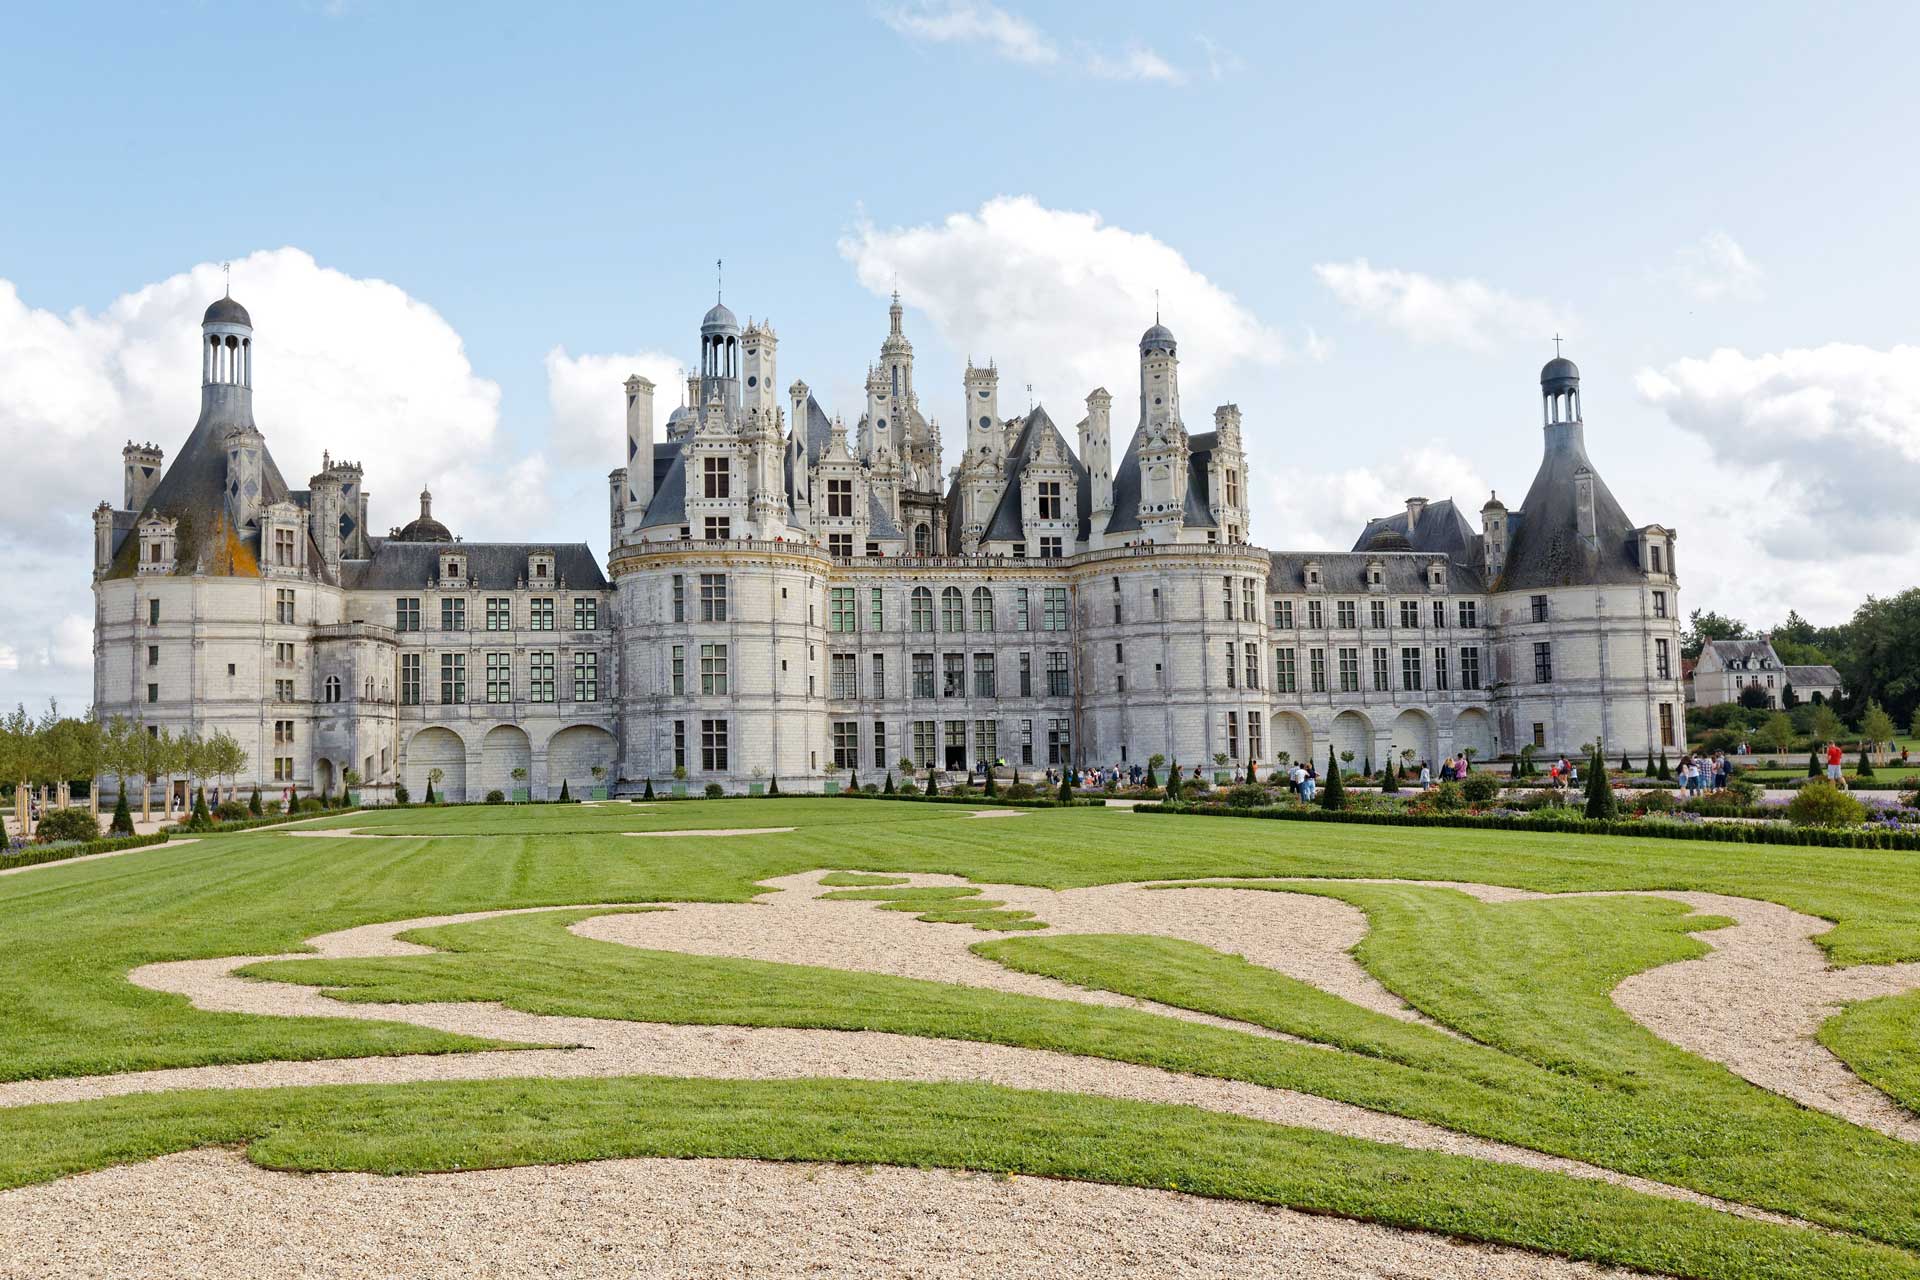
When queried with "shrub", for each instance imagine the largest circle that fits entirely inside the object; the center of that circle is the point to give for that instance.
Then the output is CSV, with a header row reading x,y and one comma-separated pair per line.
x,y
1724,740
1446,797
232,811
67,824
888,789
715,791
773,787
1813,763
122,816
1666,770
566,797
496,796
1247,795
1600,803
314,804
1151,782
907,788
1743,790
400,794
273,809
992,788
648,794
1865,768
253,801
1390,780
1657,802
1334,794
1019,791
933,784
1066,785
1480,788
1819,804
429,799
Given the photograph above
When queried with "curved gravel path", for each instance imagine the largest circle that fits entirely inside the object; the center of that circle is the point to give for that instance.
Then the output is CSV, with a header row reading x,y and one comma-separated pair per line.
x,y
205,1213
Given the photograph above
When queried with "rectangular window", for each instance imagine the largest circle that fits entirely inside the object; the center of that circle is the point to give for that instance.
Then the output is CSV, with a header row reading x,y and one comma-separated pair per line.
x,y
1249,601
1346,615
283,690
1663,661
499,613
1254,749
1409,613
840,498
876,610
1049,499
540,614
840,545
1059,685
955,742
453,613
879,675
1539,608
1283,614
1659,604
1317,670
1410,669
1252,655
410,679
1542,663
842,613
1285,679
1377,613
713,669
713,597
713,746
1316,615
153,655
453,678
923,675
1539,734
1469,613
283,547
1666,724
1439,614
1055,617
953,675
843,675
717,529
283,655
678,672
1226,598
153,613
1026,742
153,693
952,613
716,477
540,675
679,598
406,613
1380,673
923,743
586,676
1233,656
499,677
1050,548
983,681
1349,660
1470,668
880,760
986,740
982,609
679,744
586,613
1022,610
846,744
1233,735
1653,549
1059,742
282,606
1026,674
1440,668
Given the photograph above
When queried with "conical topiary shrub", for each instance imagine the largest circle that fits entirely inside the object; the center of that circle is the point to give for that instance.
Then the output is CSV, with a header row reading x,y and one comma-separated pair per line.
x,y
1152,782
1865,768
429,799
773,788
1813,763
1334,794
1600,801
1666,770
122,824
1252,776
1065,794
1173,781
933,786
993,788
1390,780
887,790
566,797
253,803
1626,765
853,783
648,794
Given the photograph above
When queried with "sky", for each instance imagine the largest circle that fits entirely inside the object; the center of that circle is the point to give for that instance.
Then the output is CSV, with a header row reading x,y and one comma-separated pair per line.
x,y
459,231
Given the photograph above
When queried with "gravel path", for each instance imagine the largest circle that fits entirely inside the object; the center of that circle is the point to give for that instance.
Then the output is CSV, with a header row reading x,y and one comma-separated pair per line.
x,y
213,1213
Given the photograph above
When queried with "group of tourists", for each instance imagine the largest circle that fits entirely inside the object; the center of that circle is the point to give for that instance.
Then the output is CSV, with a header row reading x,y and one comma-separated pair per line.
x,y
1702,772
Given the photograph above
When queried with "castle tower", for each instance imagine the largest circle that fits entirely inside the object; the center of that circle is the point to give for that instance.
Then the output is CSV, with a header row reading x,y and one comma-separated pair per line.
x,y
639,465
246,451
1227,480
719,359
1163,444
1159,378
143,467
1096,454
983,410
758,345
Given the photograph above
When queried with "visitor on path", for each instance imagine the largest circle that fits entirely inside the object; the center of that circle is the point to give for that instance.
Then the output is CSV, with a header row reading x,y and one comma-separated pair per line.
x,y
1307,786
1426,776
1835,772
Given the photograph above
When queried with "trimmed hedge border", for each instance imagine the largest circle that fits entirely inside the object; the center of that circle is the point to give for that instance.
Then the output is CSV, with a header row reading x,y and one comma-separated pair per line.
x,y
1725,833
61,852
992,802
268,820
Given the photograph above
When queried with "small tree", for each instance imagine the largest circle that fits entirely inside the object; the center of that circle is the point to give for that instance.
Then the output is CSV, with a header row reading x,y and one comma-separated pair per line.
x,y
434,776
1334,794
1600,802
349,779
200,819
519,775
599,772
1827,726
1754,698
1066,786
254,806
1788,698
122,824
1777,733
1151,780
1876,725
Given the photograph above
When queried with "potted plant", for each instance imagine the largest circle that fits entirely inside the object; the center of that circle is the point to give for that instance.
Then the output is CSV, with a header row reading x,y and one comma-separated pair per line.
x,y
599,772
435,776
520,793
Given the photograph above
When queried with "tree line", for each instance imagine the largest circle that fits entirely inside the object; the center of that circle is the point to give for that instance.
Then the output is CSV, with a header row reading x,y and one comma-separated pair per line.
x,y
44,757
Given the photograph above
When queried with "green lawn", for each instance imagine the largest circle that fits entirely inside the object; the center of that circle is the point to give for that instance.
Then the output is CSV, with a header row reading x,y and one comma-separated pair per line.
x,y
1547,1061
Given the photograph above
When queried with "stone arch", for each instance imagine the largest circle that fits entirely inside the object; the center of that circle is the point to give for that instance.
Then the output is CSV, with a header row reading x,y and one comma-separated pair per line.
x,y
323,776
922,539
1293,735
1474,728
1413,731
436,747
504,749
1352,731
571,755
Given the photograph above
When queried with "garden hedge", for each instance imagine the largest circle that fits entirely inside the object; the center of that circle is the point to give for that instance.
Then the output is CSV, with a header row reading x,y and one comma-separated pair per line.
x,y
60,852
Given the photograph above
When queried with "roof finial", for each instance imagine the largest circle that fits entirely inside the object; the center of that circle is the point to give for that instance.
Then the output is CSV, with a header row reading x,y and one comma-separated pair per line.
x,y
1556,346
226,269
718,280
1156,306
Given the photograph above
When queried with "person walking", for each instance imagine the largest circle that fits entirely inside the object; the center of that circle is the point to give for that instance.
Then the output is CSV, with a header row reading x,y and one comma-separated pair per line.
x,y
1835,767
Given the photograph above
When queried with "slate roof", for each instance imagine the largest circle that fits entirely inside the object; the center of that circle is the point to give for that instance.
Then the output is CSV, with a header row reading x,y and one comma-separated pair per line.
x,y
669,504
1728,652
1005,524
1442,528
880,522
1404,572
403,566
1815,674
1544,546
1126,484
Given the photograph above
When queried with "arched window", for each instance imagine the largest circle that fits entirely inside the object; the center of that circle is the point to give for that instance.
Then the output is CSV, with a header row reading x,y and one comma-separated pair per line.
x,y
368,695
952,616
982,609
922,540
332,688
922,609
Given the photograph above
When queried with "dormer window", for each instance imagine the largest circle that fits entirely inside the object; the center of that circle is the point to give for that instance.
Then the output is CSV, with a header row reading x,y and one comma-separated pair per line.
x,y
453,568
540,568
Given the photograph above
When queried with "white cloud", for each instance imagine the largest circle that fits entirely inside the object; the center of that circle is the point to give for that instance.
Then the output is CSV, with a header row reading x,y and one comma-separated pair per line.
x,y
1137,63
1461,312
1332,509
1060,298
1831,434
9,658
1007,35
1716,269
350,365
588,404
1012,38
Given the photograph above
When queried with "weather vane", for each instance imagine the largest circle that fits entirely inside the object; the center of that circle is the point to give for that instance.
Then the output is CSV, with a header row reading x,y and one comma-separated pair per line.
x,y
717,280
226,270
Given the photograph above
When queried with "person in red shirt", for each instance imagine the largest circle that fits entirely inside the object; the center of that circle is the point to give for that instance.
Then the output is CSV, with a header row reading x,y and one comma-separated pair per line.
x,y
1834,771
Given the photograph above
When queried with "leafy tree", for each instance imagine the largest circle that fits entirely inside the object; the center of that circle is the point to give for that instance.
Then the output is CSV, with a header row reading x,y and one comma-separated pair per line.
x,y
120,751
1876,724
156,757
1600,802
434,776
1777,732
1754,698
1913,726
1827,726
1704,625
1788,698
1334,794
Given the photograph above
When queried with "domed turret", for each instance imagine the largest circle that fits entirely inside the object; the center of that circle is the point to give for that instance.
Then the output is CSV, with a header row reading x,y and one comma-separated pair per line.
x,y
1560,374
1389,539
1158,338
426,528
1560,389
719,320
227,311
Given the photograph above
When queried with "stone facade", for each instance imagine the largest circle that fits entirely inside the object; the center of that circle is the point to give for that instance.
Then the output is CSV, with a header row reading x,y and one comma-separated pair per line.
x,y
1726,668
789,598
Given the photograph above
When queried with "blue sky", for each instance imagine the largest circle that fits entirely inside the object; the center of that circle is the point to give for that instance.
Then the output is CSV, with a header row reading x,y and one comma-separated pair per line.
x,y
1366,224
